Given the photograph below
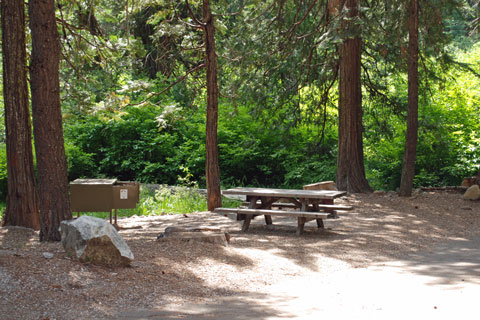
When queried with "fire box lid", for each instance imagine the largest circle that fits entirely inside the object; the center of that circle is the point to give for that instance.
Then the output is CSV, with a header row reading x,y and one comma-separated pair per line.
x,y
95,181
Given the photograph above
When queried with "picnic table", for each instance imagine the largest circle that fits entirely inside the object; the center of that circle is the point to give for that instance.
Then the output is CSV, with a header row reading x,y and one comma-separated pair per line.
x,y
305,205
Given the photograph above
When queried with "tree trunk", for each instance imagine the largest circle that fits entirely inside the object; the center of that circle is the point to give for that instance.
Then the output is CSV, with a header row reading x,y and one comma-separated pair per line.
x,y
350,166
22,199
408,168
214,198
47,120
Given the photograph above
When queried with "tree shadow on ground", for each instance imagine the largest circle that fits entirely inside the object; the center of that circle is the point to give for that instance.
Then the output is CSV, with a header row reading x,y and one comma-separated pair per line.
x,y
449,263
243,306
381,228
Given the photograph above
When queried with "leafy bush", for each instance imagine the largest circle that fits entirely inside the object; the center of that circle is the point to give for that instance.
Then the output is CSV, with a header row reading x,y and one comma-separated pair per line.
x,y
129,147
448,137
137,146
80,164
383,163
267,154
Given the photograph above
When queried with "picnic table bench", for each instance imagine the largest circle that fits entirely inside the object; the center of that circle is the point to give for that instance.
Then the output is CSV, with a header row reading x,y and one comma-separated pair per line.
x,y
305,205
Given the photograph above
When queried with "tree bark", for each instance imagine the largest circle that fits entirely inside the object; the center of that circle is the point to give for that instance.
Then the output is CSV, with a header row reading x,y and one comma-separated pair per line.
x,y
22,199
47,120
408,168
350,165
214,198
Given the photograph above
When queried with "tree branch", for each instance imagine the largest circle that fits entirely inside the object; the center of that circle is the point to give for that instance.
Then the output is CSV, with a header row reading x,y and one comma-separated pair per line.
x,y
374,89
192,15
170,86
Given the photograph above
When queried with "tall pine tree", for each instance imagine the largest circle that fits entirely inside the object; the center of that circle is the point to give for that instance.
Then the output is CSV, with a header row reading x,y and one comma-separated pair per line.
x,y
408,169
22,199
350,165
47,120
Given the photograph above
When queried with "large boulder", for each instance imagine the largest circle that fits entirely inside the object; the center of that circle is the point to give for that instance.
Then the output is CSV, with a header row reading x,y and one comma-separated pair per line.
x,y
472,193
94,240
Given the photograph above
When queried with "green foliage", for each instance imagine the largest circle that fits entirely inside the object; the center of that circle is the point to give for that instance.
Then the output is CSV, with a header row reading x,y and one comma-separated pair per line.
x,y
383,162
129,146
179,200
277,75
268,154
280,93
80,164
149,144
164,143
448,144
3,206
167,200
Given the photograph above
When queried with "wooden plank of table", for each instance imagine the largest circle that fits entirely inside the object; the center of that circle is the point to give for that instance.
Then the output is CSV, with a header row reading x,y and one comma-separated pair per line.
x,y
290,213
285,193
302,217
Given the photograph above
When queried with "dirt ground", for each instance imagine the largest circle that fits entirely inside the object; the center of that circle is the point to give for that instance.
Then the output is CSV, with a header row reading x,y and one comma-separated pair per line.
x,y
174,275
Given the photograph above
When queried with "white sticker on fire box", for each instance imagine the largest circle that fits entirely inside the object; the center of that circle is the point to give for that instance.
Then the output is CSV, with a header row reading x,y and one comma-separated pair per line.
x,y
123,194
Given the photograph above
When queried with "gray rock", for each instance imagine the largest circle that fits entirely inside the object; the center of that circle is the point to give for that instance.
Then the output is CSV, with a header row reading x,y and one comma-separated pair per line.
x,y
472,193
94,240
48,255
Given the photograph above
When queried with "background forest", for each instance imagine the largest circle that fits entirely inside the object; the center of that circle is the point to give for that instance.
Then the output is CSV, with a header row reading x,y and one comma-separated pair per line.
x,y
133,92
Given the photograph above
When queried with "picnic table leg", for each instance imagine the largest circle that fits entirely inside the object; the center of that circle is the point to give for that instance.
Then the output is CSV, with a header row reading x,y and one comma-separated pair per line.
x,y
267,204
332,213
253,202
304,205
268,221
246,223
301,225
320,224
252,205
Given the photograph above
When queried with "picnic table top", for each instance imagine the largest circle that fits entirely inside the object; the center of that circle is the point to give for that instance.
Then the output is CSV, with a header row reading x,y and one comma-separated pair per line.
x,y
285,193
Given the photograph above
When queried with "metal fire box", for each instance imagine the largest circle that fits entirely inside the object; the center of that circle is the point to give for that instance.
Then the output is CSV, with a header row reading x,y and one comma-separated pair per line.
x,y
103,195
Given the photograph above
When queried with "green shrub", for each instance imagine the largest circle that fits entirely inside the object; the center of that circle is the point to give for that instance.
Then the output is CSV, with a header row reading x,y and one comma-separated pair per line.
x,y
135,146
179,200
80,164
129,147
3,205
